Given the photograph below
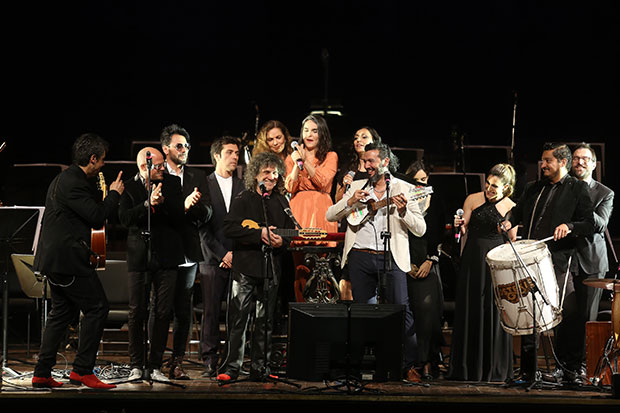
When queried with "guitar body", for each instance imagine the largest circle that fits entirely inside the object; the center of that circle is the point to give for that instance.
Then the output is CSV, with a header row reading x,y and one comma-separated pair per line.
x,y
98,237
362,210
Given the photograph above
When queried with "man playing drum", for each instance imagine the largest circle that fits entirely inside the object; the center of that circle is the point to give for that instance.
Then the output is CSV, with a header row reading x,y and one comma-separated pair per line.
x,y
557,206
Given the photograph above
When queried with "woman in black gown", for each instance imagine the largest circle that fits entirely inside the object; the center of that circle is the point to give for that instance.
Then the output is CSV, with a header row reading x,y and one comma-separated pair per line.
x,y
481,350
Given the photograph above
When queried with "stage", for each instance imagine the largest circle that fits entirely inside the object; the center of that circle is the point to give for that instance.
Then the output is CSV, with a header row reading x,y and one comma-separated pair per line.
x,y
206,393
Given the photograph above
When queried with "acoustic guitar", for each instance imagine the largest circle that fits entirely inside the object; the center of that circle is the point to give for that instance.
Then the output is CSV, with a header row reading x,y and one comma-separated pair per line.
x,y
97,236
362,210
304,233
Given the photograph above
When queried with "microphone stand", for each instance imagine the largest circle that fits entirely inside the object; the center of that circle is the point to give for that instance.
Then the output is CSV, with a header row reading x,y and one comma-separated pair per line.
x,y
386,236
146,236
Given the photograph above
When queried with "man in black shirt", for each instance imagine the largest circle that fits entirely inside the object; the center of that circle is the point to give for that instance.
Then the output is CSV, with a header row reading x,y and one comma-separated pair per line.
x,y
558,205
256,265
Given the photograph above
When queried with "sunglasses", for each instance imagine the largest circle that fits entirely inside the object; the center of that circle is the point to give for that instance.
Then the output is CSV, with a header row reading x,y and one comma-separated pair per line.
x,y
180,146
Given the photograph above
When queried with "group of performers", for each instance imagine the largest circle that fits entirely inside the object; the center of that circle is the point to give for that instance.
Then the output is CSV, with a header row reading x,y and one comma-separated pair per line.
x,y
234,235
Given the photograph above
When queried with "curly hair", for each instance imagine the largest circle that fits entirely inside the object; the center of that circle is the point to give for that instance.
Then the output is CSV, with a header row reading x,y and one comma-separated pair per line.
x,y
261,138
259,162
325,137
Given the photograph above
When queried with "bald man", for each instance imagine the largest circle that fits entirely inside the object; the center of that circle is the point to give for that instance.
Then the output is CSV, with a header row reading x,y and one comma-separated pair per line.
x,y
153,255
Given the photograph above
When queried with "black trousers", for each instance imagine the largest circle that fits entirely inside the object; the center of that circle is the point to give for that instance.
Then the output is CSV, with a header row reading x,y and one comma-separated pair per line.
x,y
70,296
186,278
159,286
246,291
214,282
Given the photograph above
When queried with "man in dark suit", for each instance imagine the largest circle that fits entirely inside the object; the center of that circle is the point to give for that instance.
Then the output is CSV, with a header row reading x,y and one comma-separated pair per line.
x,y
222,186
592,250
256,264
175,144
558,205
73,207
153,254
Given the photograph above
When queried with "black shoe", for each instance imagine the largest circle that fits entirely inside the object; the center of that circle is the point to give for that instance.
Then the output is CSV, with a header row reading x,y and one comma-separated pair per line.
x,y
572,378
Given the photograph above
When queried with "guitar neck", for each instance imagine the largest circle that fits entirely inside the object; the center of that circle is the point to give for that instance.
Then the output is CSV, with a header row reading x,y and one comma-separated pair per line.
x,y
285,232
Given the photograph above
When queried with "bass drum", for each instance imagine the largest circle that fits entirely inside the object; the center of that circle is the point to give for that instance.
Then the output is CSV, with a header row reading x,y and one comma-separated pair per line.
x,y
516,280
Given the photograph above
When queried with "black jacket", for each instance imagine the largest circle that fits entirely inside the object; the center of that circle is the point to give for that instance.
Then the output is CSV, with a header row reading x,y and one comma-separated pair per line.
x,y
248,258
73,206
571,205
197,215
213,241
167,220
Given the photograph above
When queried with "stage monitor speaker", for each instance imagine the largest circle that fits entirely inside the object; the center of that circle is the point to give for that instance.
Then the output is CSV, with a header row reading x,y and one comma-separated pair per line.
x,y
332,341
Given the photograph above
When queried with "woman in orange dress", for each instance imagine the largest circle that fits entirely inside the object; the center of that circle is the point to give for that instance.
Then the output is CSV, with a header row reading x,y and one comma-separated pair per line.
x,y
310,172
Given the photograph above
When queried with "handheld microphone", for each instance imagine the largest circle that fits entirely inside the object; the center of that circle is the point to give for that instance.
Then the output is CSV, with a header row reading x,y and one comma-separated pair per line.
x,y
352,175
300,163
457,234
263,190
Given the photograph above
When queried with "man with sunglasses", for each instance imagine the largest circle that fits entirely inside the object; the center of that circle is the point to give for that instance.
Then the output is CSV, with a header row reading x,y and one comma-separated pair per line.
x,y
154,252
175,145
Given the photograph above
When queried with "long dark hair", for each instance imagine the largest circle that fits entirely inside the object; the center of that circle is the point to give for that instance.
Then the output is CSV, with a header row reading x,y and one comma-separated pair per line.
x,y
325,137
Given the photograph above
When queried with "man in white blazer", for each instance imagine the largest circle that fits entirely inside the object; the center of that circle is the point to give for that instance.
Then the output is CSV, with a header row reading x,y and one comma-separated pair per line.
x,y
378,270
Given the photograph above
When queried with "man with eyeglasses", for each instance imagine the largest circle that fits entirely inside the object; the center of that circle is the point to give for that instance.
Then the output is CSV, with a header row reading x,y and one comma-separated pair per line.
x,y
154,252
592,250
175,145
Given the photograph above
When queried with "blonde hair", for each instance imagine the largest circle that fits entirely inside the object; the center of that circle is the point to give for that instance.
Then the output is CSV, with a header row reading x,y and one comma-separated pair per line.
x,y
261,138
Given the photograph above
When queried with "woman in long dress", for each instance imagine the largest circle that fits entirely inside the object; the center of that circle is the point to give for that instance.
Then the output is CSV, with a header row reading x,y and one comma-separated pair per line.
x,y
310,172
481,350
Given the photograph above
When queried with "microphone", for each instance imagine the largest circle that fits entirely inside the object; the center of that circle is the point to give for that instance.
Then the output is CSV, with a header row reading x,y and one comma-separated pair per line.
x,y
387,178
457,234
263,190
149,159
300,163
352,175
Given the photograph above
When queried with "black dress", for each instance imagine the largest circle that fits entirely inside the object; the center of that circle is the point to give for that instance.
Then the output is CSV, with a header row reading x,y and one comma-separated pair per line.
x,y
481,350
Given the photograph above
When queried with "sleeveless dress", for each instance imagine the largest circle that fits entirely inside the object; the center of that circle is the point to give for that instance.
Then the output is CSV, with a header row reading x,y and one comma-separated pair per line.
x,y
481,350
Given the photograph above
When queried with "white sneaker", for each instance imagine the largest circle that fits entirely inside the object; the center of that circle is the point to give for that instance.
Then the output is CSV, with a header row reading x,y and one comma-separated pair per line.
x,y
157,375
136,374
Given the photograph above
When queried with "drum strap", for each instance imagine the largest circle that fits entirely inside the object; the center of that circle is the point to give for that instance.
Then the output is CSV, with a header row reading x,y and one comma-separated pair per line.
x,y
529,231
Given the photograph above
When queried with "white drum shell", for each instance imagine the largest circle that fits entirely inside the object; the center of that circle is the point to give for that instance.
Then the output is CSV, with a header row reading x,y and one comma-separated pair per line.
x,y
512,286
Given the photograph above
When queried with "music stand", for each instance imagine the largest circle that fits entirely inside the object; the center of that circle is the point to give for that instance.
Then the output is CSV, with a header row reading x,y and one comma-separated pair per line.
x,y
19,233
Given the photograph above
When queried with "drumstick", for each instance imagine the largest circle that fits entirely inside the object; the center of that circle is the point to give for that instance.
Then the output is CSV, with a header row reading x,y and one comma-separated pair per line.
x,y
543,240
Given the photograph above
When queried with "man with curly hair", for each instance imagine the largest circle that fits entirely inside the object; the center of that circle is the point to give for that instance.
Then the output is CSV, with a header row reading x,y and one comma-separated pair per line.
x,y
252,222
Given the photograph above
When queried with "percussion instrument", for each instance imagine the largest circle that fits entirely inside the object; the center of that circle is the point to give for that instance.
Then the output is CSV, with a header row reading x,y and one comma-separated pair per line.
x,y
523,277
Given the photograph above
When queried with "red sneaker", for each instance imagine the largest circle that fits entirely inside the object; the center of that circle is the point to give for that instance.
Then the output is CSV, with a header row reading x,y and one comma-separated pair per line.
x,y
89,380
45,383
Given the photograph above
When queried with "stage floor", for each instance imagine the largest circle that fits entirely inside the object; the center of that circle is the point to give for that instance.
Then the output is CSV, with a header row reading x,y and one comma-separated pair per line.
x,y
201,392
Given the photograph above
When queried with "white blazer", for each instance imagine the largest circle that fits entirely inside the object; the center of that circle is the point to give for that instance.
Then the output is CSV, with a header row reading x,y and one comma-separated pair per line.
x,y
412,220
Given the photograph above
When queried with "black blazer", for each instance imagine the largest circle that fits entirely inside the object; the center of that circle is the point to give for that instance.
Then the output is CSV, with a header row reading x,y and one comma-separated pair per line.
x,y
592,250
214,242
571,206
73,206
197,215
167,221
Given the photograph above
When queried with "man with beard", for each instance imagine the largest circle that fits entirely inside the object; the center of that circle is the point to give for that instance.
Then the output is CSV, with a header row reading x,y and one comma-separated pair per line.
x,y
558,205
154,252
256,263
592,250
364,247
175,144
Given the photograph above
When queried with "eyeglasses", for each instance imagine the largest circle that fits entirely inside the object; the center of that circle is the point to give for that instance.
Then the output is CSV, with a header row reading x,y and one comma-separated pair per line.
x,y
159,166
180,146
577,159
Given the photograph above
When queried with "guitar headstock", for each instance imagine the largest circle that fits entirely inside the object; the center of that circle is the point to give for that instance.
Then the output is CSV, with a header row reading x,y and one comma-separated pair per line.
x,y
101,184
